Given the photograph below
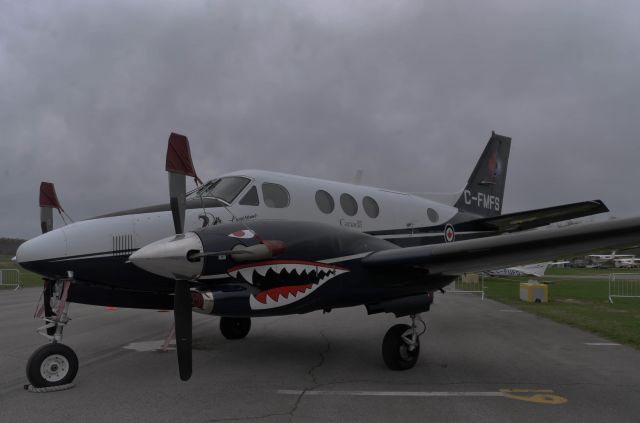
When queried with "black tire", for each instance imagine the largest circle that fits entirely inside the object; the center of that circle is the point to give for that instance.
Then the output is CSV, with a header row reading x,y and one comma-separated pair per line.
x,y
395,351
52,365
235,327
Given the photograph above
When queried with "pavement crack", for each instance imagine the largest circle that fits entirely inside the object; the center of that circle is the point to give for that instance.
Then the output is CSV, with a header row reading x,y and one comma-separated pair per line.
x,y
314,384
312,374
323,355
296,404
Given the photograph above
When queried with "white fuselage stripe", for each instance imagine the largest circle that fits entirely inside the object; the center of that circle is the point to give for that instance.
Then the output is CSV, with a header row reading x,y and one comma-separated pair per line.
x,y
421,235
91,257
220,276
344,258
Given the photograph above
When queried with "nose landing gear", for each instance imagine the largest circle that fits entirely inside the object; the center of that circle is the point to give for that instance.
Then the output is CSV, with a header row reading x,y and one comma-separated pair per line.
x,y
53,366
401,344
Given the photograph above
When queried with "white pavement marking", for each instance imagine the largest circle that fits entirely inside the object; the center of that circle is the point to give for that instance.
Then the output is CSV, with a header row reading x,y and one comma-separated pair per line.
x,y
146,346
602,344
508,310
392,393
538,396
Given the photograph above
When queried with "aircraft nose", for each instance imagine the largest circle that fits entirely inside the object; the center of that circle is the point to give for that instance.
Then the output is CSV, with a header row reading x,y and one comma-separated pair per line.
x,y
42,248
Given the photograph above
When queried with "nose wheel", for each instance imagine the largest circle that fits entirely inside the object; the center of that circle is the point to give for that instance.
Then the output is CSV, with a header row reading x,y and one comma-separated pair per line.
x,y
401,344
52,365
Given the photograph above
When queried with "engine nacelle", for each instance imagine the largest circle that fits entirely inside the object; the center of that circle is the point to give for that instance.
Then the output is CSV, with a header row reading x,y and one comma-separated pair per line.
x,y
404,306
232,303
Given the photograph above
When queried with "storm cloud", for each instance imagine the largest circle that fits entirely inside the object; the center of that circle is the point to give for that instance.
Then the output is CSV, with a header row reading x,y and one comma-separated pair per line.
x,y
408,91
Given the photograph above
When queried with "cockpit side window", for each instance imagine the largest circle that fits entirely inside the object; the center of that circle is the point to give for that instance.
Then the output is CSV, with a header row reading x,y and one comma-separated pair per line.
x,y
275,195
225,189
250,198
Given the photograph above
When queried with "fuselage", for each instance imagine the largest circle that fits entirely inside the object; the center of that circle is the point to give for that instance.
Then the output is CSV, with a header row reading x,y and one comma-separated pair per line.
x,y
96,250
402,218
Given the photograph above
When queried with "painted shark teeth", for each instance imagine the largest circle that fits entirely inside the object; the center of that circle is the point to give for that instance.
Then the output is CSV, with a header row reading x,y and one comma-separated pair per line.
x,y
317,270
247,274
287,294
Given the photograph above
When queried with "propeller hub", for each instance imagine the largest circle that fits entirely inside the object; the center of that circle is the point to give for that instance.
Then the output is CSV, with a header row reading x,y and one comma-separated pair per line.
x,y
170,257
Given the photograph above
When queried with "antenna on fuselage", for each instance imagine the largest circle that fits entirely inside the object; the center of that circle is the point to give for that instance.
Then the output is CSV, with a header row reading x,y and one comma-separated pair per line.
x,y
357,179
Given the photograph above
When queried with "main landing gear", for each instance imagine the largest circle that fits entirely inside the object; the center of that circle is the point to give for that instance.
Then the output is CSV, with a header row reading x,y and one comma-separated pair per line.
x,y
401,344
53,366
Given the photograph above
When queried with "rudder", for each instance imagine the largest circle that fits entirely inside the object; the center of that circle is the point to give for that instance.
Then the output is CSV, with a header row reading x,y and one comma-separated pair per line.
x,y
485,189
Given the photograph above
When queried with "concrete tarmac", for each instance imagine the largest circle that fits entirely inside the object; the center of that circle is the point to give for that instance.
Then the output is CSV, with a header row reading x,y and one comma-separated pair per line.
x,y
480,361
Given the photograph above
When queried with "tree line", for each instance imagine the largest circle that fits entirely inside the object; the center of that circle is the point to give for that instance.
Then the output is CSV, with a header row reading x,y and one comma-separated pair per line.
x,y
8,246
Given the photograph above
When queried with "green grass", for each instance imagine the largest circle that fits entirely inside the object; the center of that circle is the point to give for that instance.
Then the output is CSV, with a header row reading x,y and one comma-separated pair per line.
x,y
586,271
581,303
28,279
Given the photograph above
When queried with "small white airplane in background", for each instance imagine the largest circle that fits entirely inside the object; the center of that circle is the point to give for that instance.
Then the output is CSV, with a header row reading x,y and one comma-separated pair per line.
x,y
536,270
613,260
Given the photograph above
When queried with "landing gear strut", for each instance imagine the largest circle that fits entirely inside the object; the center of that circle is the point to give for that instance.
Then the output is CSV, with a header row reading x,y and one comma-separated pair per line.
x,y
401,344
53,365
235,327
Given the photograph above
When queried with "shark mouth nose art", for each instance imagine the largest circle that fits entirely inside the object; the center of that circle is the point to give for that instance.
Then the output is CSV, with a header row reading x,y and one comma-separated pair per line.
x,y
284,282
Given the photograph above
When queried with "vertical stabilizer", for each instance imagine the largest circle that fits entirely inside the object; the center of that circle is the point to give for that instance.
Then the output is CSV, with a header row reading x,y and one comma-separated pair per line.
x,y
485,189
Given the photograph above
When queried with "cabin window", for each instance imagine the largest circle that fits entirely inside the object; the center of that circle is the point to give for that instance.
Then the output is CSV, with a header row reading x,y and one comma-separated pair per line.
x,y
432,215
349,205
370,207
274,195
250,198
325,202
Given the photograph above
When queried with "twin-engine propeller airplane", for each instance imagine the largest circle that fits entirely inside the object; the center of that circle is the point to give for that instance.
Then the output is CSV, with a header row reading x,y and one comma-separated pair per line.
x,y
255,243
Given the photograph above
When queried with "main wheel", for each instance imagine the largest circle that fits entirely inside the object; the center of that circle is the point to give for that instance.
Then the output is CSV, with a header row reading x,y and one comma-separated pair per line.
x,y
396,352
52,365
235,327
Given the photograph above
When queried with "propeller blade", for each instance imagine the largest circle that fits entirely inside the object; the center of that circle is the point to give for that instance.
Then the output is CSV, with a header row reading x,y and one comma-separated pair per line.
x,y
182,317
48,202
177,191
179,165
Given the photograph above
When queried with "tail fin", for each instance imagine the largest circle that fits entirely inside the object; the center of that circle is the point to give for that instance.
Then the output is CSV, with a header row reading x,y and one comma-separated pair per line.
x,y
485,189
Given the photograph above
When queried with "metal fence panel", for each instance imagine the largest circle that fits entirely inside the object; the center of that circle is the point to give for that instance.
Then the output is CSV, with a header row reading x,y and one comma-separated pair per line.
x,y
468,283
624,285
10,277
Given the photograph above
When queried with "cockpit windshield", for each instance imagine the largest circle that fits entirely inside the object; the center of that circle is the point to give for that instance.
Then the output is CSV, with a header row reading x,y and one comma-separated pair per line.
x,y
225,189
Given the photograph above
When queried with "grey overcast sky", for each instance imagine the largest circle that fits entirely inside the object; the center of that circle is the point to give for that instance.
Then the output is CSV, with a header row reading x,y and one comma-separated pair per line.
x,y
408,91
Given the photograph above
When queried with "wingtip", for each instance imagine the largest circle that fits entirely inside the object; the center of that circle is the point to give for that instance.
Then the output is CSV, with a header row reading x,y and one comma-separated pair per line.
x,y
603,206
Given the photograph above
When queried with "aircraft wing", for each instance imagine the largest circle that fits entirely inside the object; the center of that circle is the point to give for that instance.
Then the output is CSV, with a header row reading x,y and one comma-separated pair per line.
x,y
511,249
535,218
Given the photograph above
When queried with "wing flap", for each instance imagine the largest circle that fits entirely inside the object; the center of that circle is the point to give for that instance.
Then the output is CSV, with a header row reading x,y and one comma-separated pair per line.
x,y
512,249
